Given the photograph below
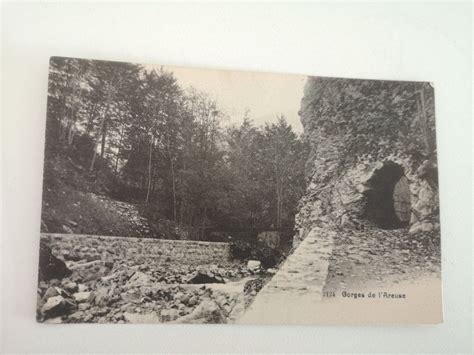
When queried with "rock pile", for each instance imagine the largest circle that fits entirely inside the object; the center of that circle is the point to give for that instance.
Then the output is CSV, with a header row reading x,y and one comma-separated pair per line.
x,y
50,266
360,258
103,288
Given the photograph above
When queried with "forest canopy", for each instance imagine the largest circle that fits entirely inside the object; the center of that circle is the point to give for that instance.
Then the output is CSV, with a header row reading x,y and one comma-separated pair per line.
x,y
139,137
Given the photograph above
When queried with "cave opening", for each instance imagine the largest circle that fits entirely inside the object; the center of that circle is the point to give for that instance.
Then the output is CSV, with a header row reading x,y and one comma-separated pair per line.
x,y
388,198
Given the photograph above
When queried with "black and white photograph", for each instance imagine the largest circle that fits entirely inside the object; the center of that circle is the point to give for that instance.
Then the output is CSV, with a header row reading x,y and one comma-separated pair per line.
x,y
185,195
250,177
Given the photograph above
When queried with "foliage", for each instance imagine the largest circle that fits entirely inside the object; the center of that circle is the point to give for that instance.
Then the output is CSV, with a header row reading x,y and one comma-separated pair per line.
x,y
134,134
267,164
243,250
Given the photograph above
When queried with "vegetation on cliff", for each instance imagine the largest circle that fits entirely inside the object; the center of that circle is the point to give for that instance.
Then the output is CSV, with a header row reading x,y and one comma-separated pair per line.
x,y
372,118
373,156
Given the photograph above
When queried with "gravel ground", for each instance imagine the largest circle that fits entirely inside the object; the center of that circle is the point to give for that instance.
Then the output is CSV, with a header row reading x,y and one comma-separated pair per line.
x,y
380,257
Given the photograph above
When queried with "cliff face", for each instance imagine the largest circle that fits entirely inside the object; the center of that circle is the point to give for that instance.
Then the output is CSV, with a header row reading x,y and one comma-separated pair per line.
x,y
373,157
369,218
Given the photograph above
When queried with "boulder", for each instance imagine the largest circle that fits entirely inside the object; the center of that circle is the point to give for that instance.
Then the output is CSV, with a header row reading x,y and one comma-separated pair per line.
x,y
207,312
99,312
80,297
179,296
82,288
254,285
57,306
168,315
199,277
88,276
76,316
139,279
50,292
238,308
57,320
72,223
88,265
68,230
83,306
104,296
70,286
50,267
92,257
254,265
194,300
421,227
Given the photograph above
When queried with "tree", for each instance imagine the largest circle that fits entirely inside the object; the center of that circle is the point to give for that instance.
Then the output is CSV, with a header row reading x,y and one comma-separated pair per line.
x,y
67,86
245,201
267,167
165,148
283,155
109,82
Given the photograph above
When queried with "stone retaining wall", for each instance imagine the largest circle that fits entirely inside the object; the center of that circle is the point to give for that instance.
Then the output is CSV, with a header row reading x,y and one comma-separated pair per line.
x,y
92,247
297,287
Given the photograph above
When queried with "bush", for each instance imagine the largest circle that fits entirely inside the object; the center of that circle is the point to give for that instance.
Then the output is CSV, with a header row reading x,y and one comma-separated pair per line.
x,y
269,257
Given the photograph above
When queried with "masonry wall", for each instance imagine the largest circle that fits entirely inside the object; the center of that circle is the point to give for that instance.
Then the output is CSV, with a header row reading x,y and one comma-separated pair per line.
x,y
92,247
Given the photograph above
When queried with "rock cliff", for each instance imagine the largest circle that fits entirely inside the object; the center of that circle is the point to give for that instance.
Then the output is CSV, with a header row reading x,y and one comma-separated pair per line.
x,y
373,157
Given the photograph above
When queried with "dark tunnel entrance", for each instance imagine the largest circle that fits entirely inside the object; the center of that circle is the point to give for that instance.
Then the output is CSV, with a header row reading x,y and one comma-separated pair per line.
x,y
388,199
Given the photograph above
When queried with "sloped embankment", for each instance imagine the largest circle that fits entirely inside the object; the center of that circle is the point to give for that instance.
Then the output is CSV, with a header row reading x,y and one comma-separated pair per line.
x,y
76,200
66,210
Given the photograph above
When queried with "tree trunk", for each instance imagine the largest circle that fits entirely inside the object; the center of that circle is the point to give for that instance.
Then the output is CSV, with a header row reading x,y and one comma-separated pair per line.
x,y
90,119
116,161
72,127
278,207
96,145
63,109
174,189
149,171
203,225
182,201
424,122
181,211
118,150
71,134
101,130
277,187
104,134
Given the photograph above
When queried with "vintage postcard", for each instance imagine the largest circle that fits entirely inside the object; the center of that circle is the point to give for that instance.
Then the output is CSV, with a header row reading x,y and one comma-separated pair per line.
x,y
184,195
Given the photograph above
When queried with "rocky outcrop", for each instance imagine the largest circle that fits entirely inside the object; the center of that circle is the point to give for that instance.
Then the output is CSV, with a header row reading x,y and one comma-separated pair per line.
x,y
369,216
373,161
50,267
203,277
